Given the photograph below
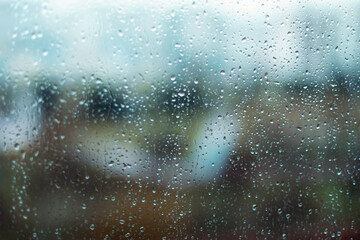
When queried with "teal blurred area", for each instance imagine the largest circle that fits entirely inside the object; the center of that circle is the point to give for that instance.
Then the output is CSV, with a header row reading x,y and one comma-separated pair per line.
x,y
184,120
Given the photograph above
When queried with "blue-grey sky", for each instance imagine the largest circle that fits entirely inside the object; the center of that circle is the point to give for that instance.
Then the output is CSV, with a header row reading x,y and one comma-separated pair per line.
x,y
288,40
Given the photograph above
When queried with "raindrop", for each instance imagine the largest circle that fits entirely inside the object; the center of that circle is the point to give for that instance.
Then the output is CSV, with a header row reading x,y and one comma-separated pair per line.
x,y
92,227
254,207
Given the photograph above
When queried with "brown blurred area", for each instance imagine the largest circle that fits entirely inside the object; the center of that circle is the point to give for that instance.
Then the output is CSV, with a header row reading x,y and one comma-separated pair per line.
x,y
292,174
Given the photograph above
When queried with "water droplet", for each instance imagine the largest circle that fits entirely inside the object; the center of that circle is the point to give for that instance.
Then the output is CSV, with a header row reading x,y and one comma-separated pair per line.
x,y
254,207
92,227
17,146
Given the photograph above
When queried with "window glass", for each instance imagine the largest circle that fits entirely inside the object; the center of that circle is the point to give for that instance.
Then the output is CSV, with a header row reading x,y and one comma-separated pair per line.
x,y
180,119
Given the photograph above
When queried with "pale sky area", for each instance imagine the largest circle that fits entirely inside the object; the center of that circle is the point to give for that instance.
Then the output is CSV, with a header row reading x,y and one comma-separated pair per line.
x,y
284,38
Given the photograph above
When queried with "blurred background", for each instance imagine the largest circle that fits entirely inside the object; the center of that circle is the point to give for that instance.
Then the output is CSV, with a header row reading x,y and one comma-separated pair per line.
x,y
179,120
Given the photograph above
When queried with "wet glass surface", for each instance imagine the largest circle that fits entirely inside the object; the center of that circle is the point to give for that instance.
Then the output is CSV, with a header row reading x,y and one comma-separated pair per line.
x,y
184,120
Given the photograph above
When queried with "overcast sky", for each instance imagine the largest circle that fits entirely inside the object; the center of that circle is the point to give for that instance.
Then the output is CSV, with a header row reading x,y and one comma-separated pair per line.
x,y
286,39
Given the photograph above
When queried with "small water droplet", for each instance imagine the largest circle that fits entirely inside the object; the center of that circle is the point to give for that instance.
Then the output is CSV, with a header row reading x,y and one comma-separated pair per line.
x,y
254,207
181,94
92,227
17,146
